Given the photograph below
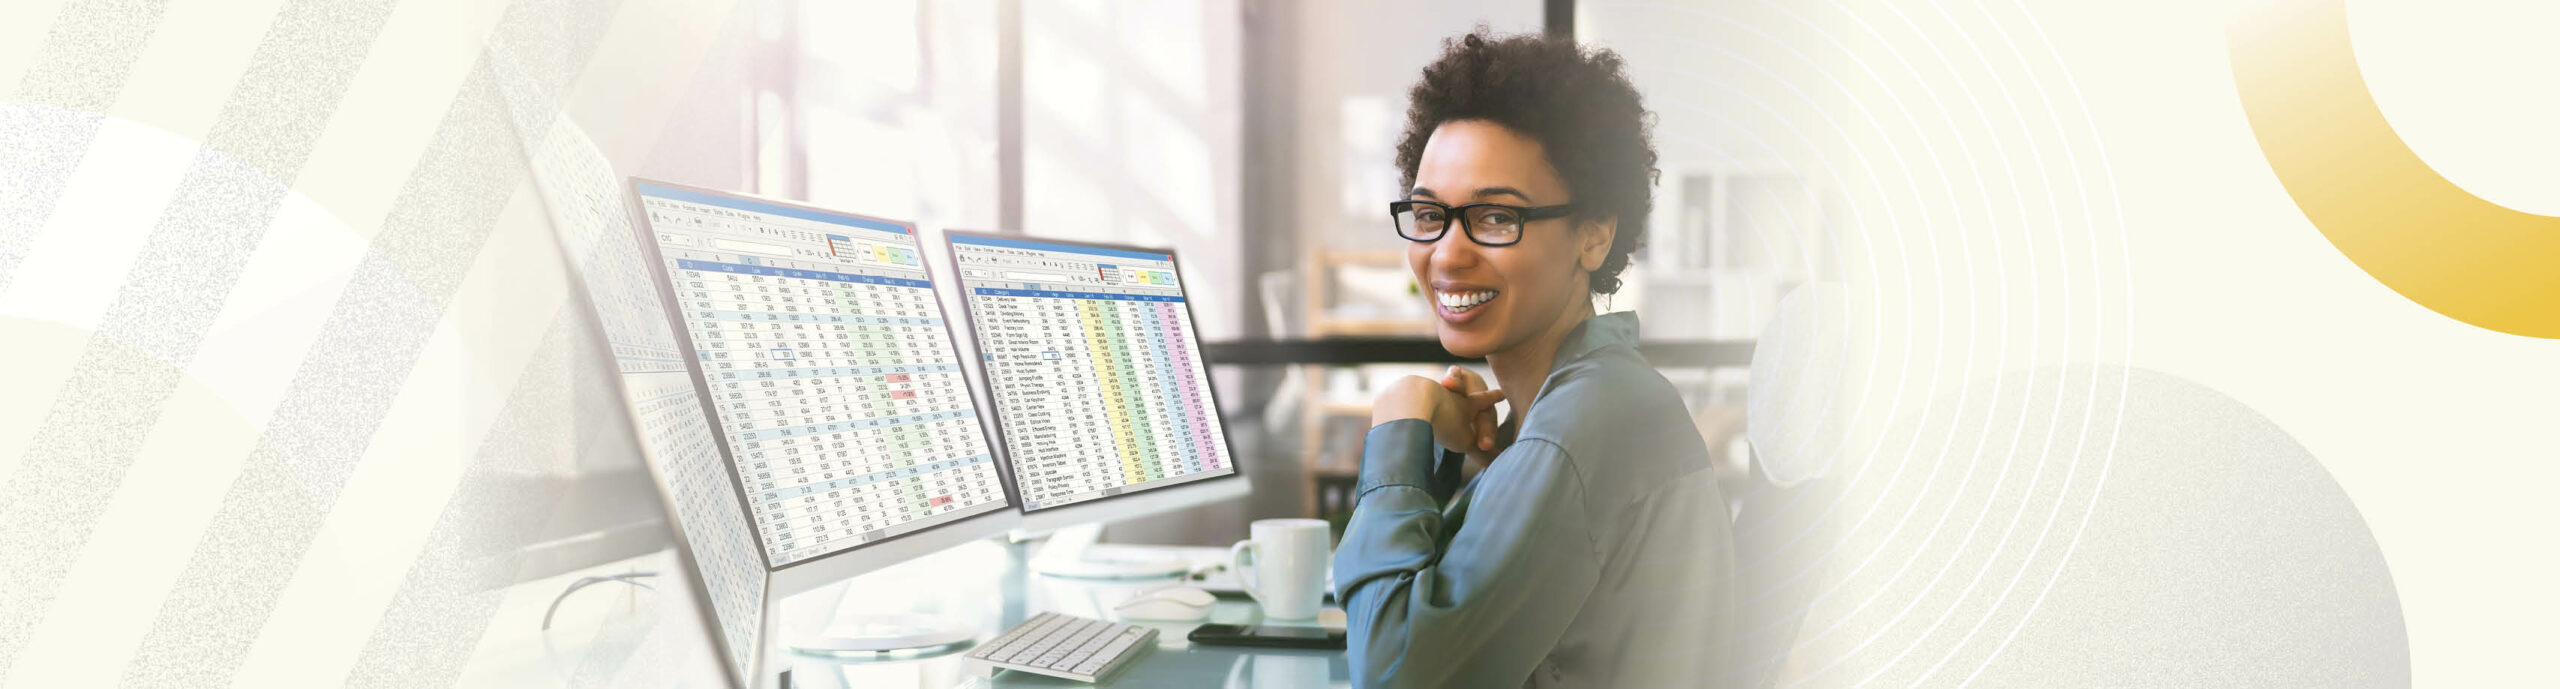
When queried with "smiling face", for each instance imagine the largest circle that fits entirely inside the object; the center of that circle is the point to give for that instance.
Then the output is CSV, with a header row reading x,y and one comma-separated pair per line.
x,y
1492,299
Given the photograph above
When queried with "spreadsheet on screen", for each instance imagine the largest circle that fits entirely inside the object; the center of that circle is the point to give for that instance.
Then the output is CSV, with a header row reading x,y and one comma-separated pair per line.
x,y
837,385
1094,368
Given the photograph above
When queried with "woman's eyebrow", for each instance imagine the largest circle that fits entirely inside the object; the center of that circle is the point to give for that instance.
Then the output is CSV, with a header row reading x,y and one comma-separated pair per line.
x,y
1425,192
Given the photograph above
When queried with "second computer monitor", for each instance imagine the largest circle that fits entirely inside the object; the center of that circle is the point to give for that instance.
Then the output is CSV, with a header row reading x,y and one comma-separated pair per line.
x,y
1094,365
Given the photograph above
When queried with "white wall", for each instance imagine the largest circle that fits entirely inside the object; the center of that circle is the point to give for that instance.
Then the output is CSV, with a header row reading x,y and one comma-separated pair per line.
x,y
1354,65
1130,131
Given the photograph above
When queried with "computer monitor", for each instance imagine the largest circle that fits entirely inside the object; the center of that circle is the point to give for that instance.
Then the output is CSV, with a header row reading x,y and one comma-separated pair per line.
x,y
831,372
799,404
1093,364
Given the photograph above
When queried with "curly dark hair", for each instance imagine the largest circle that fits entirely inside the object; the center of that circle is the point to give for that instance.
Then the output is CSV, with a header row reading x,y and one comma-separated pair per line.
x,y
1576,104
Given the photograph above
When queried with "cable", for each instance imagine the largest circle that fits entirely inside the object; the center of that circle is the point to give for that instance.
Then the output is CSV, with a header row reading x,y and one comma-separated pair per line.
x,y
583,582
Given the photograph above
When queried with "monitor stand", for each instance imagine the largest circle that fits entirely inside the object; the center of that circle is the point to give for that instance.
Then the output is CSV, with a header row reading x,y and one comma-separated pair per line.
x,y
1069,555
886,633
832,634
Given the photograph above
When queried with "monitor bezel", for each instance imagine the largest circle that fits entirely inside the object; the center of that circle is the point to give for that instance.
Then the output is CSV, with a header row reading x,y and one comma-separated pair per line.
x,y
776,576
706,611
986,375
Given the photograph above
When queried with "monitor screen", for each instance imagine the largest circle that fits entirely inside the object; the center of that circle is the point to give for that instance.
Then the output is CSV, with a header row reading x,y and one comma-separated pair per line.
x,y
1094,367
822,352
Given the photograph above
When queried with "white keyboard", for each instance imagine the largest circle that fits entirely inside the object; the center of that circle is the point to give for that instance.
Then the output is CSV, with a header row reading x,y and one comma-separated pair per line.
x,y
1075,648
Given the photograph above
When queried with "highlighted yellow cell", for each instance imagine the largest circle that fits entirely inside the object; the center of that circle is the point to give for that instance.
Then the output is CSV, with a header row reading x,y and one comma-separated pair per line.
x,y
1106,371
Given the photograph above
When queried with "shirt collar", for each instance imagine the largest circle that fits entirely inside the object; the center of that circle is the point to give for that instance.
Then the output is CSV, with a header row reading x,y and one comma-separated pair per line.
x,y
1597,332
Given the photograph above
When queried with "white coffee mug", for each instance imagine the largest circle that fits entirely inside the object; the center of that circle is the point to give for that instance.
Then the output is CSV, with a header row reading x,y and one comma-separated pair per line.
x,y
1283,566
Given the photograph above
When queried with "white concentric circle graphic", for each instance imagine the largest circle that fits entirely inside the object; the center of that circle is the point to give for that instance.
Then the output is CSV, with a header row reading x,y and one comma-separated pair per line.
x,y
1910,207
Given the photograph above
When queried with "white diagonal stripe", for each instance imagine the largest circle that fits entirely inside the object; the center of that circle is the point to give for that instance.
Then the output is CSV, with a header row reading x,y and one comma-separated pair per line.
x,y
122,184
392,109
442,419
257,344
121,187
358,166
432,431
345,388
186,75
111,595
22,28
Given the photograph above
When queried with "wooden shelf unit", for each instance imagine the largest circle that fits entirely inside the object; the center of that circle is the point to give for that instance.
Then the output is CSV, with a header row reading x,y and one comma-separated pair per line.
x,y
1321,266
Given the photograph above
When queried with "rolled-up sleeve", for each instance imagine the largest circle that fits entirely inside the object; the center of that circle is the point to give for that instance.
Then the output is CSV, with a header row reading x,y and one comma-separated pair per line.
x,y
1478,607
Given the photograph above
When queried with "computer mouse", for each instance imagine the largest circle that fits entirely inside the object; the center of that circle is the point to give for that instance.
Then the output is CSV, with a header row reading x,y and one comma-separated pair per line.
x,y
1170,604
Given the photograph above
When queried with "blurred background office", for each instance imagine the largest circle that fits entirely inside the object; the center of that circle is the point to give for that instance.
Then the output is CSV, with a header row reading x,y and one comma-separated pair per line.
x,y
343,395
1257,139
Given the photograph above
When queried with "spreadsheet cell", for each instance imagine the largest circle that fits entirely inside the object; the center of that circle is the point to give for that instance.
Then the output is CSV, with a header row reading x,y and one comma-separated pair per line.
x,y
1095,374
831,368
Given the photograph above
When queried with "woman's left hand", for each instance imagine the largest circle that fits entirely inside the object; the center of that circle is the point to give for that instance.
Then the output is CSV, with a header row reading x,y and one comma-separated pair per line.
x,y
1453,416
1488,424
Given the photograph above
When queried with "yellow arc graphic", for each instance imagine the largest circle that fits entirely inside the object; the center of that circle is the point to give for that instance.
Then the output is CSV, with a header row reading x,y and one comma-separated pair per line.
x,y
2395,217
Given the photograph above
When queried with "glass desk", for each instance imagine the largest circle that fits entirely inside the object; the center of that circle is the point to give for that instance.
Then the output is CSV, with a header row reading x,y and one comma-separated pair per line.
x,y
988,584
630,636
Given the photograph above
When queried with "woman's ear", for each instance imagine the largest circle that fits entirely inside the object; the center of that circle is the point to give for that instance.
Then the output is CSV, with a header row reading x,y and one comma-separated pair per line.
x,y
1595,237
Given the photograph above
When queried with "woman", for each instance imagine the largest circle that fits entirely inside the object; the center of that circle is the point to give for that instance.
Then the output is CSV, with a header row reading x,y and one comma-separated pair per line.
x,y
1593,549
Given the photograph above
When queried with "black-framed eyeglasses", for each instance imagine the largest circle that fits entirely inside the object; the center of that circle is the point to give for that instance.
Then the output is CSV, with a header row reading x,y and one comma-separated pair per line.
x,y
1489,224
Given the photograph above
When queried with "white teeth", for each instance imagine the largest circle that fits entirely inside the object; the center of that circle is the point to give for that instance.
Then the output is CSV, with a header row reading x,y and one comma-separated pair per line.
x,y
1461,301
